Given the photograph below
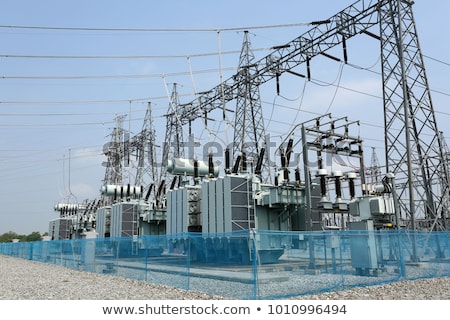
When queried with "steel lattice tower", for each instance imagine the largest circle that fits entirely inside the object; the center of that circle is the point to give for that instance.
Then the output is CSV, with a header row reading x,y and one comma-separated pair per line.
x,y
374,171
414,149
173,143
146,174
115,154
249,130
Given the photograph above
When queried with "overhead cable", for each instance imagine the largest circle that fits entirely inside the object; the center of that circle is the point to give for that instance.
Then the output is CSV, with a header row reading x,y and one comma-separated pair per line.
x,y
154,29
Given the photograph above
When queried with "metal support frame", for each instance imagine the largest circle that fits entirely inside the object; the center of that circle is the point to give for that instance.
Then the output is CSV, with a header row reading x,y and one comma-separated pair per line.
x,y
314,138
115,153
414,148
145,146
249,129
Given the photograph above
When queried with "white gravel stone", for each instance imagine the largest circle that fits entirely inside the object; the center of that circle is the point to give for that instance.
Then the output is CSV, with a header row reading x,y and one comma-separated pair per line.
x,y
421,289
30,280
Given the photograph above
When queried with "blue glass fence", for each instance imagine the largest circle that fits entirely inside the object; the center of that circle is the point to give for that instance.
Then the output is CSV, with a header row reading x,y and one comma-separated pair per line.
x,y
254,264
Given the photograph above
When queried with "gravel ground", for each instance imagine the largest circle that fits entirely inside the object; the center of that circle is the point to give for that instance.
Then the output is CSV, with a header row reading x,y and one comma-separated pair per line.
x,y
22,279
30,280
422,289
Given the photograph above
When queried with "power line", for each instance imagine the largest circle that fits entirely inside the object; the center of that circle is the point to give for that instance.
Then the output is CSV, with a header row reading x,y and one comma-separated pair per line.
x,y
53,124
184,56
154,29
437,60
124,76
18,102
55,114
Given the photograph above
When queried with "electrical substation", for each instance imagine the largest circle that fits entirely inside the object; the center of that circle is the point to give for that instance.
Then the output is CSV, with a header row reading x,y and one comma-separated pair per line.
x,y
294,189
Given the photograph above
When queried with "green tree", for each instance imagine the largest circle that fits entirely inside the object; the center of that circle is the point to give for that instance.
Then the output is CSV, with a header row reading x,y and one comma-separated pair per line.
x,y
10,235
34,236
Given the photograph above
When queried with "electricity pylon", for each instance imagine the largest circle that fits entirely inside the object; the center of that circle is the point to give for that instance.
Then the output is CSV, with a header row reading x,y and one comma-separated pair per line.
x,y
249,129
414,147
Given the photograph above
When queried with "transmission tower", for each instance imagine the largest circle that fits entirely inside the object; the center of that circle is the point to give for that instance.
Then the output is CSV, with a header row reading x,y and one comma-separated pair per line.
x,y
249,130
414,148
173,142
374,171
446,205
146,174
115,154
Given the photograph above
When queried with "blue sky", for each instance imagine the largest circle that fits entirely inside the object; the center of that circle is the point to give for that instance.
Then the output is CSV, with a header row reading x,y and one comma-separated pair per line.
x,y
57,106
